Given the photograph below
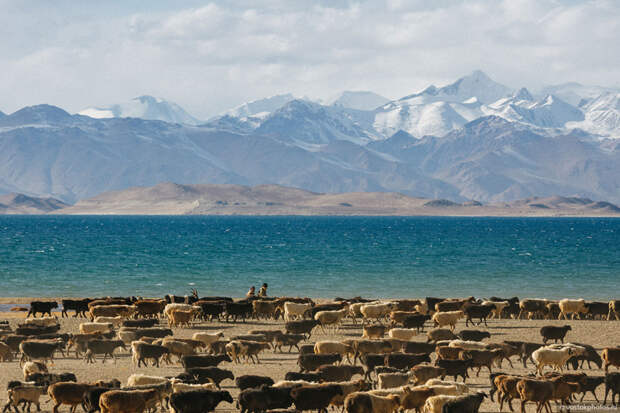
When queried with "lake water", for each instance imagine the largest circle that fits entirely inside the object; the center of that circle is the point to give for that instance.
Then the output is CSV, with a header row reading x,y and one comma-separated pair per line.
x,y
52,256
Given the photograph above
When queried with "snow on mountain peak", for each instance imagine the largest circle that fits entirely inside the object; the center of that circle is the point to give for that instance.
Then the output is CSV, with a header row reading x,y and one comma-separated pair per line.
x,y
144,107
360,100
260,106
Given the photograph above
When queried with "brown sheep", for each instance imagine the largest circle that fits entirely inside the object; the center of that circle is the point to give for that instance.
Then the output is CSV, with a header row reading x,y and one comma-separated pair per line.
x,y
611,357
68,393
123,401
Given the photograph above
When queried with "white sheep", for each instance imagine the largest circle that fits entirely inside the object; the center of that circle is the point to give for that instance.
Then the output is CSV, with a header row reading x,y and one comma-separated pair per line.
x,y
179,387
405,334
468,345
447,318
463,388
176,306
103,328
292,383
206,337
294,310
116,321
389,380
434,404
41,321
139,379
331,347
330,318
376,311
446,389
31,367
572,307
556,358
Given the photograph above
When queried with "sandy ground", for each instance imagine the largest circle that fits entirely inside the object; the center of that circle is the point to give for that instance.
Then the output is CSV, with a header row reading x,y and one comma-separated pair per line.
x,y
597,333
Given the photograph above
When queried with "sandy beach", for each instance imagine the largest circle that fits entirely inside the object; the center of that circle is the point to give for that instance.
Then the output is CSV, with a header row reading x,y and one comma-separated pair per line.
x,y
597,333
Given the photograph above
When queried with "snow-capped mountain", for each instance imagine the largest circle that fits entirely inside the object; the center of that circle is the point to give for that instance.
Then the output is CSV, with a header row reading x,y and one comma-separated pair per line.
x,y
259,108
437,111
360,100
143,107
548,112
602,116
575,93
308,123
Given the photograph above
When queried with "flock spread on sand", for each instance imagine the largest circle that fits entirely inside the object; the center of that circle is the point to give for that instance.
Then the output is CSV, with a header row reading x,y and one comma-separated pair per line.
x,y
396,372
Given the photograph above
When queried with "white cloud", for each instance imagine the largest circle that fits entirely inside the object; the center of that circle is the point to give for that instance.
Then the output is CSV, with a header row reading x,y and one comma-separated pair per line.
x,y
210,56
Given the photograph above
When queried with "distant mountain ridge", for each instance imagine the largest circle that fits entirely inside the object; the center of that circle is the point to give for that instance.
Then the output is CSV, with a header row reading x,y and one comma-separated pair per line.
x,y
441,143
23,204
209,199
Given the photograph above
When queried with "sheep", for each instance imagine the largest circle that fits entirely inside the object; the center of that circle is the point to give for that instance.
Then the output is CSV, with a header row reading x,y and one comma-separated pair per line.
x,y
448,353
538,391
176,306
462,387
31,367
103,328
469,403
373,331
315,397
333,318
301,327
440,334
405,361
555,358
191,361
112,311
139,379
388,380
572,307
309,377
178,317
127,401
375,311
25,394
41,321
554,333
499,307
360,402
448,318
611,357
473,335
415,398
211,374
291,340
143,351
445,389
421,373
331,373
115,321
178,348
249,349
180,387
333,347
206,337
397,317
467,345
105,347
250,381
434,404
455,368
67,393
481,358
612,384
292,311
310,362
405,334
354,311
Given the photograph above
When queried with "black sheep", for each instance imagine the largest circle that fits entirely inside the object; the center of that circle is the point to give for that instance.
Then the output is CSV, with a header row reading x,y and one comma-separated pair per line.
x,y
249,381
198,401
469,403
208,374
554,333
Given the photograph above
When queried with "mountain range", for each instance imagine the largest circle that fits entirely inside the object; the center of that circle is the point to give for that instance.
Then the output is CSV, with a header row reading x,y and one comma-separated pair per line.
x,y
474,139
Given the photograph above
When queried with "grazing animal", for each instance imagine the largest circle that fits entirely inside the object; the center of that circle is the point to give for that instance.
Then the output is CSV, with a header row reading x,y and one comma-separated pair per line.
x,y
43,307
360,402
554,333
315,397
198,401
250,381
611,357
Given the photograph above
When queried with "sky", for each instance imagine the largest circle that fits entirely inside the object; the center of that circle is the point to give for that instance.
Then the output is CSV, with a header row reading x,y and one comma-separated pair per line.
x,y
211,56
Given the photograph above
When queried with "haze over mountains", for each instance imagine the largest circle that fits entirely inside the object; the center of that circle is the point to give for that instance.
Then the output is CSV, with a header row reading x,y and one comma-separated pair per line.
x,y
474,139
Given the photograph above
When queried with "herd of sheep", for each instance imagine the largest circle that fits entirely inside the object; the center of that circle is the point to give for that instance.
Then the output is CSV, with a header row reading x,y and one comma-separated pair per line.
x,y
397,372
